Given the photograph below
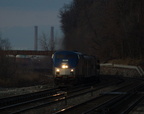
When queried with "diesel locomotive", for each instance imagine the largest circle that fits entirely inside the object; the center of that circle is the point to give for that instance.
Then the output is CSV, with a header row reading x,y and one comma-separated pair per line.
x,y
70,67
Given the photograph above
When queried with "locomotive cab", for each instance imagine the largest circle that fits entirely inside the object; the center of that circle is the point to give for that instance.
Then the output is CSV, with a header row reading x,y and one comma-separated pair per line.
x,y
71,66
64,63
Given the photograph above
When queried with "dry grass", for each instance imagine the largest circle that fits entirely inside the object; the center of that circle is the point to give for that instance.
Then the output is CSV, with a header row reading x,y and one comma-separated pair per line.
x,y
23,79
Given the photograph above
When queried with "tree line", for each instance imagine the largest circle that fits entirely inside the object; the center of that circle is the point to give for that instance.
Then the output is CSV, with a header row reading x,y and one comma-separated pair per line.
x,y
6,64
109,29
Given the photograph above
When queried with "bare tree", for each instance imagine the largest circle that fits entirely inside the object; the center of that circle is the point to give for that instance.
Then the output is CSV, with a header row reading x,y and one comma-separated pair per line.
x,y
46,43
4,43
6,65
109,29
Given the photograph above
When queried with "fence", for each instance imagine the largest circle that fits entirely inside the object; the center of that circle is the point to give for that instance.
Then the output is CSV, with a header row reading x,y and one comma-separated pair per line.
x,y
117,69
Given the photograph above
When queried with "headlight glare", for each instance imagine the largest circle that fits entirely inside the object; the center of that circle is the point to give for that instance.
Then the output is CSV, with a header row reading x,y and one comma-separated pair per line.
x,y
64,66
57,70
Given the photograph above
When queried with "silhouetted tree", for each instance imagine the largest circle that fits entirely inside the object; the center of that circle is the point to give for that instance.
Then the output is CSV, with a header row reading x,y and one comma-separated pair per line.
x,y
107,28
6,64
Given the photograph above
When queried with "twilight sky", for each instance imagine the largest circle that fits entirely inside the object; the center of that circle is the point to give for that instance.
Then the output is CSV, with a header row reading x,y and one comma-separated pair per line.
x,y
18,18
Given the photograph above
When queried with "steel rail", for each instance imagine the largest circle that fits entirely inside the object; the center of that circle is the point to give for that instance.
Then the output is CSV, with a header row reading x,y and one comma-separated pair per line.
x,y
74,108
12,101
68,95
132,105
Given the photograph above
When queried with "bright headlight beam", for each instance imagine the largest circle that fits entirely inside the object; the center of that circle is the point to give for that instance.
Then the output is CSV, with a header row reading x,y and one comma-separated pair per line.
x,y
64,66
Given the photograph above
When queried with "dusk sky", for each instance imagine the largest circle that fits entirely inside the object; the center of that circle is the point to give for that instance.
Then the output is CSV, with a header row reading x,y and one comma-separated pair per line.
x,y
18,18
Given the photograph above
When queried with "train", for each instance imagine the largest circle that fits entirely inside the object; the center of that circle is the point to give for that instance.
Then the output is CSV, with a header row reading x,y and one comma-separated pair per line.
x,y
71,67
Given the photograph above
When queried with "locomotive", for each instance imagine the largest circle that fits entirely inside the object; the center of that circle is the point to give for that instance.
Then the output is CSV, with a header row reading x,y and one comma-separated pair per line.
x,y
71,67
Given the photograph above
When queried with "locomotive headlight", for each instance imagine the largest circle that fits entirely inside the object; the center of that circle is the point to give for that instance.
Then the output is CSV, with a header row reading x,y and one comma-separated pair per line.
x,y
57,70
72,70
64,66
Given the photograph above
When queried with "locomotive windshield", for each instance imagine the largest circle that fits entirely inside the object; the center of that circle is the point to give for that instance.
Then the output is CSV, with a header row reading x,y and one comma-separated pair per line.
x,y
70,58
62,56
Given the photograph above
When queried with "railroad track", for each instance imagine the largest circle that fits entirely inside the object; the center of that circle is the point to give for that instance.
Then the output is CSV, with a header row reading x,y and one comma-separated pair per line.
x,y
15,101
55,99
121,100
